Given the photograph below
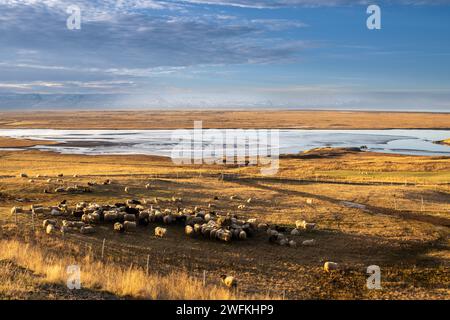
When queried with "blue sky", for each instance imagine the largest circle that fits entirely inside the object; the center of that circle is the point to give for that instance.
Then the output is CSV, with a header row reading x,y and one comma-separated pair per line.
x,y
225,54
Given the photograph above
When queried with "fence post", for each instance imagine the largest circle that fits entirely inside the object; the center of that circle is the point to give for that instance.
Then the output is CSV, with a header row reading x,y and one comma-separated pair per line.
x,y
148,262
103,248
204,278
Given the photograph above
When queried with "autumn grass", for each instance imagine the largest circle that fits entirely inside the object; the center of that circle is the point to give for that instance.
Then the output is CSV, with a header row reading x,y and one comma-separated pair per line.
x,y
123,282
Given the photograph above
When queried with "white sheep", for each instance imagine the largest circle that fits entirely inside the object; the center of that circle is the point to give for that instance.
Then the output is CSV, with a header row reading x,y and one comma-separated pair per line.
x,y
129,226
229,281
148,186
309,201
295,232
160,232
241,207
50,229
47,222
55,212
292,243
249,200
189,230
87,229
129,217
127,189
309,242
242,235
330,266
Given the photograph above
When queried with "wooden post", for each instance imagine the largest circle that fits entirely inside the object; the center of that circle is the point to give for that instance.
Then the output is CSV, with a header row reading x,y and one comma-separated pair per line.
x,y
148,263
103,248
204,278
421,208
32,220
284,294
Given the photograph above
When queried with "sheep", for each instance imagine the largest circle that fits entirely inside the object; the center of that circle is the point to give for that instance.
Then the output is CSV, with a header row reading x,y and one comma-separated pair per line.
x,y
110,216
242,235
127,190
295,232
47,222
169,219
249,200
228,281
224,235
118,227
309,201
87,229
263,227
60,175
330,266
129,217
309,242
49,180
148,186
75,176
38,176
16,210
189,231
304,225
59,190
241,206
234,197
23,175
129,226
31,181
72,224
55,212
50,229
160,232
292,243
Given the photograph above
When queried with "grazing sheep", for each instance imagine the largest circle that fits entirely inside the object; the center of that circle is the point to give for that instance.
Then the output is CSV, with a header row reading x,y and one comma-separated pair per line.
x,y
292,243
49,180
127,190
87,230
75,176
72,224
47,222
129,226
249,200
160,232
60,175
50,229
118,227
305,225
31,181
309,242
330,266
228,281
23,175
38,176
309,201
263,227
295,232
224,235
148,186
241,206
60,189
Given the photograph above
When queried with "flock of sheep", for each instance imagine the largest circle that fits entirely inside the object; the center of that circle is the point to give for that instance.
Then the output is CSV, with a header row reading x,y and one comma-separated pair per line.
x,y
197,222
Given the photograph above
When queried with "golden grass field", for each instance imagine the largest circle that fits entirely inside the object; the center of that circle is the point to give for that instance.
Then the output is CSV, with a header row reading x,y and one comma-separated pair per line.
x,y
223,119
403,227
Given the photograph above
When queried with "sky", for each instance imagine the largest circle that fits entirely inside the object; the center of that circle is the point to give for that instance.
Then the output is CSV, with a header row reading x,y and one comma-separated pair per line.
x,y
225,54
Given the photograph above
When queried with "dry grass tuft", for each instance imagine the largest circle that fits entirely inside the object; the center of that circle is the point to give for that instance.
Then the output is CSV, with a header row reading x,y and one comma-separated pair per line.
x,y
130,282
